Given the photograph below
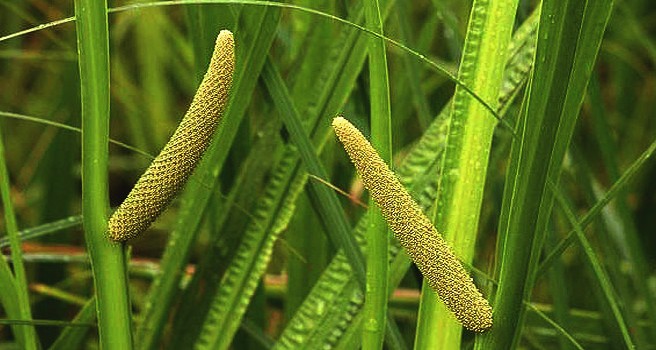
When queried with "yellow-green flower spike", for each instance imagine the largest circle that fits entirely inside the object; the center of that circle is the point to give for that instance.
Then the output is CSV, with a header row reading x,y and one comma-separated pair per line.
x,y
172,167
430,252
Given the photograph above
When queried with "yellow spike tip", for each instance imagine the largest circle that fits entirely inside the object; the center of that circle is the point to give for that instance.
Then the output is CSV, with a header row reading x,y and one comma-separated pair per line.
x,y
427,248
170,170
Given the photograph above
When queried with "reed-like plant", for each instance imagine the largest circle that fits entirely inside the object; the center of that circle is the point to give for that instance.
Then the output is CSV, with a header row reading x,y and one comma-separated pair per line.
x,y
521,131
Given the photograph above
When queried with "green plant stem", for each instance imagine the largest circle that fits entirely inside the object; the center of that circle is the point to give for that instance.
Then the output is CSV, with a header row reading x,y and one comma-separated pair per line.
x,y
27,337
375,306
466,157
570,33
329,208
108,260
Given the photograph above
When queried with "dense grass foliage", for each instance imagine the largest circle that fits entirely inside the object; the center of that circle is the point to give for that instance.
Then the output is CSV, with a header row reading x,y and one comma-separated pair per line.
x,y
524,130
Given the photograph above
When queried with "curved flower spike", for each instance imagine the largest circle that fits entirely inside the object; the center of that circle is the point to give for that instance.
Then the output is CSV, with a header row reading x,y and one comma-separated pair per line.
x,y
434,258
177,160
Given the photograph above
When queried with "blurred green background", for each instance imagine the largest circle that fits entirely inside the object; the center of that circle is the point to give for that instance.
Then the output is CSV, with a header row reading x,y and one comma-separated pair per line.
x,y
256,198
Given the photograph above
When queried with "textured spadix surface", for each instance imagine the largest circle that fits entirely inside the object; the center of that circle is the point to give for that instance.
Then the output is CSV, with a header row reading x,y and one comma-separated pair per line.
x,y
430,252
172,167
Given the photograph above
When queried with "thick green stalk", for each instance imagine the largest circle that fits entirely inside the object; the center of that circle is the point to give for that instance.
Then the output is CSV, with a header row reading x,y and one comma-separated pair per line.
x,y
466,157
569,37
375,306
27,337
107,258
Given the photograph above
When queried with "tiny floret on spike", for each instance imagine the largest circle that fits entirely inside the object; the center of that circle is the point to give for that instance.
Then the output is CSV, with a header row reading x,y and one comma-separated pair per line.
x,y
170,170
430,252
